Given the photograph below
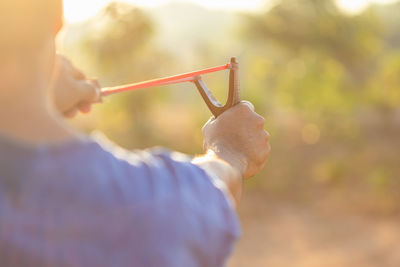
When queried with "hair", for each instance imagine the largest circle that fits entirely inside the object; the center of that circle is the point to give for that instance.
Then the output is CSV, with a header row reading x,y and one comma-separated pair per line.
x,y
26,24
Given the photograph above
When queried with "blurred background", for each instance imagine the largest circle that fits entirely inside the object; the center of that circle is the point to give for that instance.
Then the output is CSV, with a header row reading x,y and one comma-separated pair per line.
x,y
324,73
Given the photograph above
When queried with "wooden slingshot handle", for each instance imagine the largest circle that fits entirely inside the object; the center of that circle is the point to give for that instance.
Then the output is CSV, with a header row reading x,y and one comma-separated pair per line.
x,y
234,85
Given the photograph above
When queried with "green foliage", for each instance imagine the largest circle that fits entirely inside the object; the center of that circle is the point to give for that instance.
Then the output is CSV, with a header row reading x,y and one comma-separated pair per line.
x,y
328,84
115,41
312,63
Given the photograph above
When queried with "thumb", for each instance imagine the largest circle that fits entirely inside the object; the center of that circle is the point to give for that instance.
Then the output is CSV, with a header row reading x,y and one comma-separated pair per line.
x,y
249,104
89,91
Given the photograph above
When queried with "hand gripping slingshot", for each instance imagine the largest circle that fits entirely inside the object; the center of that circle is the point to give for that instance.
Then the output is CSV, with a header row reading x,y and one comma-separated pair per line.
x,y
195,77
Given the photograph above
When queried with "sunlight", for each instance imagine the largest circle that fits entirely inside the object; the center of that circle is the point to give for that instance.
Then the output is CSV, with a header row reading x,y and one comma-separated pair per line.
x,y
357,6
78,10
353,6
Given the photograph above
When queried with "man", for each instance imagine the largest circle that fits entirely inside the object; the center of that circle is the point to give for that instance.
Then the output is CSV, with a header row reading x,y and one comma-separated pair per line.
x,y
71,200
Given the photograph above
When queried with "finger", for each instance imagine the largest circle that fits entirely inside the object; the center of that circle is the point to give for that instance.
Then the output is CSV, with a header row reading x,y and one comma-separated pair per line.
x,y
266,136
71,113
89,91
251,172
249,104
85,107
77,74
262,138
95,82
259,121
263,154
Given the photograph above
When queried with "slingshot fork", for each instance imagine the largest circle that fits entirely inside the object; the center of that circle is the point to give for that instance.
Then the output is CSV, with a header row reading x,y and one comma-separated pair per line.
x,y
212,103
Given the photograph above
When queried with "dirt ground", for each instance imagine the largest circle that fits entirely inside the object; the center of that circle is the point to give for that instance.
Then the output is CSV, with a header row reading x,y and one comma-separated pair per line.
x,y
283,233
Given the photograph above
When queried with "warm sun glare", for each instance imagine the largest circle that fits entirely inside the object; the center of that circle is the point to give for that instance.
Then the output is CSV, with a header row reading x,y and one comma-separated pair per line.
x,y
78,10
355,6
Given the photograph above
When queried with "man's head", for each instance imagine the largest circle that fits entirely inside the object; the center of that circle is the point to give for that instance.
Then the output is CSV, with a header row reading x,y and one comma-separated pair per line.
x,y
27,24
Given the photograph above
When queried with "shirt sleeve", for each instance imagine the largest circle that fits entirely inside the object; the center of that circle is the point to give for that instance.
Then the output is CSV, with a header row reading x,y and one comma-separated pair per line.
x,y
206,211
179,213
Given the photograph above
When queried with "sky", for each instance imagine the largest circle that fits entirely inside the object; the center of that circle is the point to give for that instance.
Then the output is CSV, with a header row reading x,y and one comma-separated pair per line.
x,y
79,10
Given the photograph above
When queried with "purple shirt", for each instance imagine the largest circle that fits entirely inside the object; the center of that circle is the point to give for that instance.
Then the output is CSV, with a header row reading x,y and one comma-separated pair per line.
x,y
94,204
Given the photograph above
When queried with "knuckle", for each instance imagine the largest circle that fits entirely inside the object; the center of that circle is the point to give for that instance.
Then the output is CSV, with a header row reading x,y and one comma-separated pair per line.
x,y
251,171
248,104
259,120
263,155
261,158
89,90
241,107
266,136
245,107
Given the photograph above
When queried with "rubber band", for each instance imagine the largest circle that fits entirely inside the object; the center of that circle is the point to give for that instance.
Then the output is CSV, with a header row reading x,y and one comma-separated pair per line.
x,y
186,77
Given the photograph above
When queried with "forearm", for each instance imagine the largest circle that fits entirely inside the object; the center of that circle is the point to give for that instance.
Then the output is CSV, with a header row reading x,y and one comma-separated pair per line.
x,y
224,170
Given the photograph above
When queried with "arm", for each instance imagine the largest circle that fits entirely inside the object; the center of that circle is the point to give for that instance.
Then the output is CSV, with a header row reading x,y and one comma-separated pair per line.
x,y
236,146
218,167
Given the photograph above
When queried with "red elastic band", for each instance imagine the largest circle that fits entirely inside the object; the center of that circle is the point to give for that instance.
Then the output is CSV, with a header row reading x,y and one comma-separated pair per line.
x,y
186,77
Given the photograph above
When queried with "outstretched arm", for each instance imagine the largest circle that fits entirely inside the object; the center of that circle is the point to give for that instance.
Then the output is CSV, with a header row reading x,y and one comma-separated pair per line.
x,y
235,144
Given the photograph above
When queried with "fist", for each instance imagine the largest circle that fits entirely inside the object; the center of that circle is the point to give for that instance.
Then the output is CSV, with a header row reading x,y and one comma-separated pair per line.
x,y
238,137
71,90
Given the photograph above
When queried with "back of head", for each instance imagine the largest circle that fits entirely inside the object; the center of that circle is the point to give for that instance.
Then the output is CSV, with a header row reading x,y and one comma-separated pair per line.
x,y
26,24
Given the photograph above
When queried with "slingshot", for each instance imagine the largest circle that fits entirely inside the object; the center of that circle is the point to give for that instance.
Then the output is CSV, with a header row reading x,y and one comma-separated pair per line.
x,y
195,77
